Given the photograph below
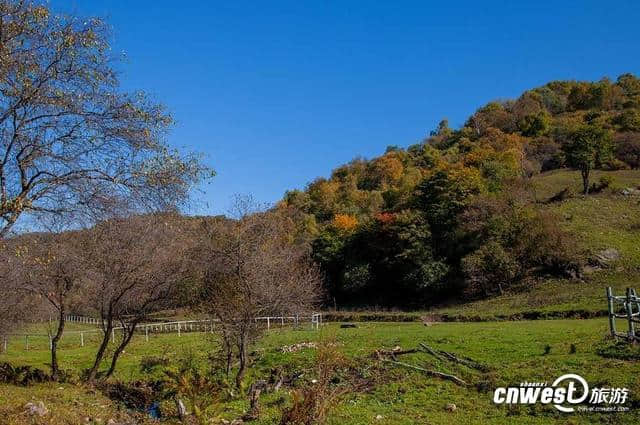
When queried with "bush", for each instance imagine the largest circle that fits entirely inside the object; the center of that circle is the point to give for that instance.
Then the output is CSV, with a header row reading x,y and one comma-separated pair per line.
x,y
312,404
150,363
489,269
513,239
21,375
604,183
628,149
616,164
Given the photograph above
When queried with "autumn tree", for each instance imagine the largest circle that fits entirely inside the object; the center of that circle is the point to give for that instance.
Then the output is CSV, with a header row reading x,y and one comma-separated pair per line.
x,y
585,148
51,267
15,308
136,267
71,143
628,149
250,266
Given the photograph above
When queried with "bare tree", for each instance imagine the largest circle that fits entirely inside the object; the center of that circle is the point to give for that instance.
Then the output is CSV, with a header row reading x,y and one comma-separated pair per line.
x,y
136,268
12,313
70,142
251,267
51,267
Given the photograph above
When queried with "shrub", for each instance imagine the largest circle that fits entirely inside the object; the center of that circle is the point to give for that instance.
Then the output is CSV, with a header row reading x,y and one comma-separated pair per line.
x,y
615,164
21,375
604,183
150,363
513,239
489,269
134,395
312,404
628,149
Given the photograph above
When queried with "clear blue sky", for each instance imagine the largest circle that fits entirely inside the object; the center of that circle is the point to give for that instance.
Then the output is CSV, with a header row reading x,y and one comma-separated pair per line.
x,y
278,93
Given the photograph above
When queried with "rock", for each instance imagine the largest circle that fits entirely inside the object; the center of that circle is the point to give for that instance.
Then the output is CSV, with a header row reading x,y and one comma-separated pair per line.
x,y
606,257
348,325
450,407
38,409
379,417
629,191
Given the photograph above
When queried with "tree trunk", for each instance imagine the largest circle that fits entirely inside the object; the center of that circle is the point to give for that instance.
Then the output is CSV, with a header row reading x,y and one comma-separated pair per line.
x,y
55,369
125,341
254,400
242,356
585,180
91,373
229,360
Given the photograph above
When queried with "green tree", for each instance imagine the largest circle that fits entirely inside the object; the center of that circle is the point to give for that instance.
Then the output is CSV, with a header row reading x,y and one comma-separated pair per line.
x,y
587,147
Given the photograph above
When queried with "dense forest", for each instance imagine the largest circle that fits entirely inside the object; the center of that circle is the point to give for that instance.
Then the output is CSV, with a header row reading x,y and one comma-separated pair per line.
x,y
456,216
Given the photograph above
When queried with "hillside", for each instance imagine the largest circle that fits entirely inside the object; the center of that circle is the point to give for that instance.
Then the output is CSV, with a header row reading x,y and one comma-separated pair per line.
x,y
598,222
520,198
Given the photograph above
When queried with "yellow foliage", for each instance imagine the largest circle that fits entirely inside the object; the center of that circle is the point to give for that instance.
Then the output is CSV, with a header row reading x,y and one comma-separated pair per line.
x,y
345,222
389,168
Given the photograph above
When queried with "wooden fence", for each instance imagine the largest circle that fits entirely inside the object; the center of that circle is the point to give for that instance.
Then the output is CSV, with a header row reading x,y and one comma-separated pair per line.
x,y
179,327
625,307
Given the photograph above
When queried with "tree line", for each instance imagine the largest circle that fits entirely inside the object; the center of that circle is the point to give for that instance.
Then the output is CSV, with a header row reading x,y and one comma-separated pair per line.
x,y
121,271
456,215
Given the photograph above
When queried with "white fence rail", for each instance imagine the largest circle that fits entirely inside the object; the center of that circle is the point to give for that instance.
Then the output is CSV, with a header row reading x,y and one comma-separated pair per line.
x,y
179,327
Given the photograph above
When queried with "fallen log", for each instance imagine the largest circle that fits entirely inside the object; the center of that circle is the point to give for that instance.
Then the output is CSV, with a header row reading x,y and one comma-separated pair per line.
x,y
393,353
431,351
441,354
429,372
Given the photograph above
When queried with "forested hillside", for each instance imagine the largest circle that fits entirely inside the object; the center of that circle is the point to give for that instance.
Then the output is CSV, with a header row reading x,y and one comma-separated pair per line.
x,y
458,216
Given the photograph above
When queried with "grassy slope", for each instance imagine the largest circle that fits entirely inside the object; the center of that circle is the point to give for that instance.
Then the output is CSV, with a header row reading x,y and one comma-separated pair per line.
x,y
514,350
599,221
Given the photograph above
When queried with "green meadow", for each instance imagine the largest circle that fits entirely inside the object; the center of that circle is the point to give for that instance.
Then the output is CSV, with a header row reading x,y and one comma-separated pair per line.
x,y
537,351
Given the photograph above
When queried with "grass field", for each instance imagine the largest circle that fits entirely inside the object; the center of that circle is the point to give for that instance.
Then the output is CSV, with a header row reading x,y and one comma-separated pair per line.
x,y
515,351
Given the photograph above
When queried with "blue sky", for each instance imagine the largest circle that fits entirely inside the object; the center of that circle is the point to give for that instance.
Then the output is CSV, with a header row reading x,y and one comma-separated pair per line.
x,y
278,93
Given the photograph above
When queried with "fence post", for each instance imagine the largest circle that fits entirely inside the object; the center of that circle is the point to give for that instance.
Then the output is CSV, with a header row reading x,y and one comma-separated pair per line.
x,y
5,344
634,297
632,332
268,323
612,318
26,341
113,335
50,343
82,339
178,328
146,333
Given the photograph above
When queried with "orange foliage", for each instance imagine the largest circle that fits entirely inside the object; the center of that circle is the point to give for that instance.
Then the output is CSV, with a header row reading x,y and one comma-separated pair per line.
x,y
345,222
